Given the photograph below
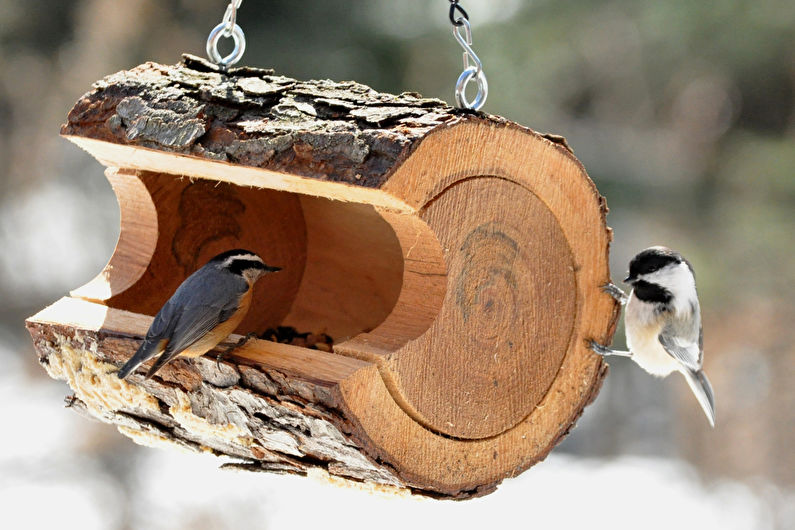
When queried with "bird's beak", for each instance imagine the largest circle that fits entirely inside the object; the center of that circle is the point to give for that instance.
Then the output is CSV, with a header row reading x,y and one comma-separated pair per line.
x,y
268,268
630,279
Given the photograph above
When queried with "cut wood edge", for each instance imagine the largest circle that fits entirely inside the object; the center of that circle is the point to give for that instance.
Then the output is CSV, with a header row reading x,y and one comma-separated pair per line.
x,y
316,365
455,467
145,159
136,243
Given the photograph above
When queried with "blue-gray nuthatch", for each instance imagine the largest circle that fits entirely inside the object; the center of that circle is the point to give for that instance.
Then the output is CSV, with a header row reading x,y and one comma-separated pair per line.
x,y
663,321
202,312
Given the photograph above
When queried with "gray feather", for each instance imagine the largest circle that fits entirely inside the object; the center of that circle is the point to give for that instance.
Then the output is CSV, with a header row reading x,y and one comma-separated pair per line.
x,y
699,384
682,338
205,299
160,329
206,302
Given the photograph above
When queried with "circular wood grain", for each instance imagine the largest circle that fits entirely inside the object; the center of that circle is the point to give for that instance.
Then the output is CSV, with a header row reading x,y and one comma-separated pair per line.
x,y
505,326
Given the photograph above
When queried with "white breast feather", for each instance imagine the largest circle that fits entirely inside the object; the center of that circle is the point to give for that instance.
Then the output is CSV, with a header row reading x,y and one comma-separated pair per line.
x,y
643,328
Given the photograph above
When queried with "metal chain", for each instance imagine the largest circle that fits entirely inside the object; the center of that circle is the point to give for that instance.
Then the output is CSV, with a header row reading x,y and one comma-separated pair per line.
x,y
473,67
453,8
227,28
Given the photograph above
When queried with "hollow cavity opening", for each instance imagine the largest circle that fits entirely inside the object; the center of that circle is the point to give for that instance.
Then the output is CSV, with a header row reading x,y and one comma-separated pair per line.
x,y
342,263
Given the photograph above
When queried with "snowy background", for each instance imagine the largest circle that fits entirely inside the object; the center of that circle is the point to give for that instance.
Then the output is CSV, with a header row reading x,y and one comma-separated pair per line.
x,y
681,112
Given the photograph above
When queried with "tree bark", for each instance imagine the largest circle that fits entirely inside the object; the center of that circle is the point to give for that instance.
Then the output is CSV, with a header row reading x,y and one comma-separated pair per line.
x,y
343,132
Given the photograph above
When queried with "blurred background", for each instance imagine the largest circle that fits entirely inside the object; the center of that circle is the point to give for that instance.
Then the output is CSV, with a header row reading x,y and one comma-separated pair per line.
x,y
683,115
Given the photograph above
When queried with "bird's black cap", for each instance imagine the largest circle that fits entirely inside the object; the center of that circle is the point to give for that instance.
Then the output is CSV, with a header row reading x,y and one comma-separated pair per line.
x,y
650,260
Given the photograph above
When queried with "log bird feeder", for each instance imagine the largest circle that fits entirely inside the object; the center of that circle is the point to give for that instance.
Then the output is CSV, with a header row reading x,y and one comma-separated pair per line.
x,y
455,258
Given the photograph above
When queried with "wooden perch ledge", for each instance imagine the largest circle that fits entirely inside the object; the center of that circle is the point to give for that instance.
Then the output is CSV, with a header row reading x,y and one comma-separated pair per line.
x,y
454,258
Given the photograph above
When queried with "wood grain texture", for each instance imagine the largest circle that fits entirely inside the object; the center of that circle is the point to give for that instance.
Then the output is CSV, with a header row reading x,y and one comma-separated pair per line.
x,y
354,269
498,342
458,257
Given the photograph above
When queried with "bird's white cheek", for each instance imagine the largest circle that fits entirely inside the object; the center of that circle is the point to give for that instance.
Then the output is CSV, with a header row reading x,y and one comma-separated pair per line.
x,y
251,276
679,282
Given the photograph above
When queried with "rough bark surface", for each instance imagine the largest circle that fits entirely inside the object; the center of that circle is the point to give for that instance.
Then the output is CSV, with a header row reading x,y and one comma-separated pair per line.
x,y
341,131
263,419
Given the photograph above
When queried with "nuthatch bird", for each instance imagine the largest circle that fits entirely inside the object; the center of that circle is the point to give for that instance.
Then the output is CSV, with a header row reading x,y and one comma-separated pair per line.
x,y
662,321
202,312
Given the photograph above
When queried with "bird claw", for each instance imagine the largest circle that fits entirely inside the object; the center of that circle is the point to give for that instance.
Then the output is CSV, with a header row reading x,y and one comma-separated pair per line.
x,y
604,351
616,292
233,347
598,348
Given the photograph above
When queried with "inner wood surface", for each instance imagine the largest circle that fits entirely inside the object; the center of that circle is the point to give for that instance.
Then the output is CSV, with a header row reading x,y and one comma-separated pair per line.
x,y
342,262
354,270
197,220
420,298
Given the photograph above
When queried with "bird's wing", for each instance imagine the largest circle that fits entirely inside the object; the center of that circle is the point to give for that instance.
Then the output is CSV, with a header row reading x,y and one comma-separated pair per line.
x,y
682,339
211,304
156,339
160,363
207,305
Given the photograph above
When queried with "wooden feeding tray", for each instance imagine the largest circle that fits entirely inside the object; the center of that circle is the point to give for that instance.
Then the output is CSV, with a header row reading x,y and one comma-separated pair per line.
x,y
454,258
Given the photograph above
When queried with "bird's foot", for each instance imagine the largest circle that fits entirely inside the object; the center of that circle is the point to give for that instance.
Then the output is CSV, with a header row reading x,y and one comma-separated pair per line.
x,y
233,347
604,351
616,292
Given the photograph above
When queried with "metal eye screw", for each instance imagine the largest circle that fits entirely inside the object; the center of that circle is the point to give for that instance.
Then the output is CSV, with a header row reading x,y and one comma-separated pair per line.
x,y
461,86
471,71
227,28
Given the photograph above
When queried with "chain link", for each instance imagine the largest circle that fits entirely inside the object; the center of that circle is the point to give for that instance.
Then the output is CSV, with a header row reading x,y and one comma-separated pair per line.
x,y
455,7
228,28
230,17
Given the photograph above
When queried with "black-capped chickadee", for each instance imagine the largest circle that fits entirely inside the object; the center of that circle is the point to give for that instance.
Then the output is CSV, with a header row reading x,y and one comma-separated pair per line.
x,y
202,312
662,321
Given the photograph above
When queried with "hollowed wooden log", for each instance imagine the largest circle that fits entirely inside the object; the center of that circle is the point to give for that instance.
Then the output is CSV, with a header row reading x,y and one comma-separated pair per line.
x,y
456,260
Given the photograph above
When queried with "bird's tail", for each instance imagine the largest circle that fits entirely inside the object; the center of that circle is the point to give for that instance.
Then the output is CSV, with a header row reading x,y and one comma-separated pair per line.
x,y
146,351
699,384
